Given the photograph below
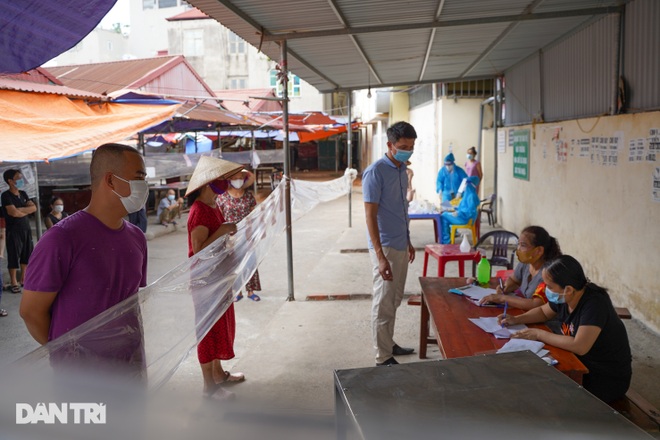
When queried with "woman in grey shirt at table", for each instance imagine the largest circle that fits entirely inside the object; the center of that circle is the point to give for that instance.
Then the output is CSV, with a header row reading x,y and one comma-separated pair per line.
x,y
525,289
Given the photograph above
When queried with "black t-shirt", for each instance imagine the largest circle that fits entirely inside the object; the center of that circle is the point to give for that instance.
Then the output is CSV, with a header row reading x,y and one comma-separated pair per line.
x,y
610,355
19,201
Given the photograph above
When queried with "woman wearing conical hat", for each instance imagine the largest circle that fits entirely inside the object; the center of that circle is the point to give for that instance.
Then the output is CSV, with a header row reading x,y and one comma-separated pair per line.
x,y
205,225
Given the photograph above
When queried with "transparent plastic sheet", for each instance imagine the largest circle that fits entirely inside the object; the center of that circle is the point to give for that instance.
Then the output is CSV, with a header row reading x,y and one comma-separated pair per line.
x,y
155,330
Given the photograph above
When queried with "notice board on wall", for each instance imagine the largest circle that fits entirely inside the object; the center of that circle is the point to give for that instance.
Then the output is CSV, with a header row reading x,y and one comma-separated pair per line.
x,y
521,154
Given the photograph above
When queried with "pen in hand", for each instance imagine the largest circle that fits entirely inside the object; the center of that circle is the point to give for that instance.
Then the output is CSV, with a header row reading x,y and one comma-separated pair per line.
x,y
501,284
506,306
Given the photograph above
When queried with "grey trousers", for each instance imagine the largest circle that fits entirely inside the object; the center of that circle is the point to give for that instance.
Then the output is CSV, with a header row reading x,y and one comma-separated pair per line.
x,y
387,297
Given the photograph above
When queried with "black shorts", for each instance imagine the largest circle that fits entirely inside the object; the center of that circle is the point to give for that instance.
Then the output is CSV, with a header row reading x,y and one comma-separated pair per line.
x,y
19,248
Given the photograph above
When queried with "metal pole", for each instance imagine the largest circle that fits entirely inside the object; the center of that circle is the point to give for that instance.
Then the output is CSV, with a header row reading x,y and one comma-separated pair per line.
x,y
496,103
287,165
349,156
38,203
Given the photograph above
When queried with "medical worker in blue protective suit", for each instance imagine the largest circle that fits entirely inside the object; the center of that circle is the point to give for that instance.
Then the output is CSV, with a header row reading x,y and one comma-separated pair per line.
x,y
449,179
465,210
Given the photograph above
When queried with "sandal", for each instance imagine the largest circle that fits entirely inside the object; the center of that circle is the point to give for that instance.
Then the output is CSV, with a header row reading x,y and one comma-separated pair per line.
x,y
3,312
217,393
254,297
238,297
15,289
232,378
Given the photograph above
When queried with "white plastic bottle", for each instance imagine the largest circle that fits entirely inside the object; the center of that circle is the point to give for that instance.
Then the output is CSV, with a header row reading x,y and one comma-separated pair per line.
x,y
465,244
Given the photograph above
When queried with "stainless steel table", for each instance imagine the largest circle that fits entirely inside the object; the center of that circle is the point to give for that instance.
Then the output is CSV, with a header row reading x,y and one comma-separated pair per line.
x,y
499,396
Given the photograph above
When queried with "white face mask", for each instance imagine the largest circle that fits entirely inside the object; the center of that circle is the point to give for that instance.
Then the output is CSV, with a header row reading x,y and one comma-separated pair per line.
x,y
138,196
450,168
58,208
237,183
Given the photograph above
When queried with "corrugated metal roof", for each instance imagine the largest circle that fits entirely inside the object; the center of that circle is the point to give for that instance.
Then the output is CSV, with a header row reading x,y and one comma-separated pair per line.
x,y
348,44
147,74
8,83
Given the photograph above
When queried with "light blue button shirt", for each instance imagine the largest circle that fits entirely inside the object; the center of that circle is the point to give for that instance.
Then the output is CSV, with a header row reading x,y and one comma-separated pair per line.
x,y
385,184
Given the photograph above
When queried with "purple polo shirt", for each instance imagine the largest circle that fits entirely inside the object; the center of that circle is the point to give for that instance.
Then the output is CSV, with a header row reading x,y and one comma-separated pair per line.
x,y
90,266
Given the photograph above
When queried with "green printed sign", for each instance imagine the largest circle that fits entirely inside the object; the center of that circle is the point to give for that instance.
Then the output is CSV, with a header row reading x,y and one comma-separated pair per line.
x,y
521,154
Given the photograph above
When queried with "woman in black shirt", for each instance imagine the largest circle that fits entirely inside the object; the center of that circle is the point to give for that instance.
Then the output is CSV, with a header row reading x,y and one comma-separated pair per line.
x,y
590,327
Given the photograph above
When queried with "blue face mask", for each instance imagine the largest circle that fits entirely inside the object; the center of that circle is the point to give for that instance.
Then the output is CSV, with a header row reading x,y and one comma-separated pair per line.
x,y
20,183
557,298
402,155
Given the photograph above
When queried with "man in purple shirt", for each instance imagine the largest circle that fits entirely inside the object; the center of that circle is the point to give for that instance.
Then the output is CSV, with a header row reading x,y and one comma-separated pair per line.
x,y
91,261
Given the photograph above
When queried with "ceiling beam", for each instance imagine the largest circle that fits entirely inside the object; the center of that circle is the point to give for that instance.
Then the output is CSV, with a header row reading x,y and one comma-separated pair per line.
x,y
528,10
442,24
404,84
344,22
263,31
438,11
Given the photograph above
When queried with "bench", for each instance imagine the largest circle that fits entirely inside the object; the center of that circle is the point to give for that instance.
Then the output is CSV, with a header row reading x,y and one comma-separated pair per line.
x,y
639,411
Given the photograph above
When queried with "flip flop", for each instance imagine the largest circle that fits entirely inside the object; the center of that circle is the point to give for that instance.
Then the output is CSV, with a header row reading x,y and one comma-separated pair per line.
x,y
238,297
15,289
232,378
3,312
254,297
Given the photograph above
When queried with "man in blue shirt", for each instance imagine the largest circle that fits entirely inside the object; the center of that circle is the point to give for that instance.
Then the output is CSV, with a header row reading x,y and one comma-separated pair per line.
x,y
384,185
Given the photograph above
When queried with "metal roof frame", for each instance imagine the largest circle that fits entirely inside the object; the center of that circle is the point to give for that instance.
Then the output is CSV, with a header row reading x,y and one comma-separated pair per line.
x,y
430,40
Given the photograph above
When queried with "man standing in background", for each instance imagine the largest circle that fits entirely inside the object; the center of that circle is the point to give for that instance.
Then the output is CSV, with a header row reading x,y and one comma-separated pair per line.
x,y
17,206
384,185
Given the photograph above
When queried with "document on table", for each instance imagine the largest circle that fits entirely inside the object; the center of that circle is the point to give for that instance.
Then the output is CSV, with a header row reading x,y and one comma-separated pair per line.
x,y
475,293
490,325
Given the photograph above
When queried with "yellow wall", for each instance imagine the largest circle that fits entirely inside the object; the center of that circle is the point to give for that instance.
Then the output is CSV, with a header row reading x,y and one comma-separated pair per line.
x,y
399,105
604,216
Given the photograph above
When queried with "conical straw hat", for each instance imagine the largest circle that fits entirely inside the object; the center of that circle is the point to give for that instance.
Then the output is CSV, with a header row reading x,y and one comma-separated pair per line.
x,y
210,168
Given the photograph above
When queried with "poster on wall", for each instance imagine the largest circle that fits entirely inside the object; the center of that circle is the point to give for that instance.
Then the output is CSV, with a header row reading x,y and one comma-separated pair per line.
x,y
501,141
656,184
637,147
521,154
561,150
580,147
654,145
614,146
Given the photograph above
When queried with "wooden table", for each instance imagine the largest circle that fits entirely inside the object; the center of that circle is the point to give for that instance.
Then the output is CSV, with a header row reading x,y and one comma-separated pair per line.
x,y
512,396
457,337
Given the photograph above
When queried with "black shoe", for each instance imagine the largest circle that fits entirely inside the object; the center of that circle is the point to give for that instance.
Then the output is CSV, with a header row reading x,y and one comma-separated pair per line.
x,y
390,361
400,351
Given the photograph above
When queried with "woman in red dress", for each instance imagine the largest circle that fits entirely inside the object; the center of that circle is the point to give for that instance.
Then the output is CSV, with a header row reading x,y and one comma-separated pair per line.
x,y
205,225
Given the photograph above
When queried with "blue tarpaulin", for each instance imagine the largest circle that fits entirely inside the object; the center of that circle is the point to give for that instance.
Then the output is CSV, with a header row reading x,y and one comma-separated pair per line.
x,y
33,32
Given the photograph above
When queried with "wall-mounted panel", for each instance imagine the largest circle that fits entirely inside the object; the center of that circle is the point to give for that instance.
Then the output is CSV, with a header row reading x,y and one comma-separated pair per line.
x,y
642,55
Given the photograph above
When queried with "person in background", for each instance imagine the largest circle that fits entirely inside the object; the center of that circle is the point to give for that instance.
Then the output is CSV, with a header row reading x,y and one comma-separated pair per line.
x,y
169,208
410,194
205,225
473,166
384,185
525,288
56,212
3,312
590,327
139,219
17,206
91,261
235,204
449,179
465,211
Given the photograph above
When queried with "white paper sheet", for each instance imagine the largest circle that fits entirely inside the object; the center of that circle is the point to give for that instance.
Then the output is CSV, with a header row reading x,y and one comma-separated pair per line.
x,y
490,325
521,345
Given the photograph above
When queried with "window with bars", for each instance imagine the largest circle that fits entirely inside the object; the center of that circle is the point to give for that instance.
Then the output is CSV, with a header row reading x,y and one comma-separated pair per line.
x,y
294,84
193,42
238,83
236,43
